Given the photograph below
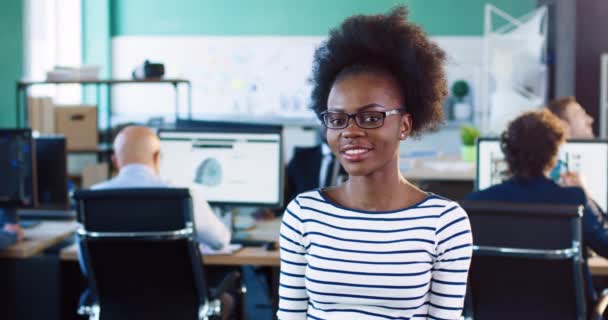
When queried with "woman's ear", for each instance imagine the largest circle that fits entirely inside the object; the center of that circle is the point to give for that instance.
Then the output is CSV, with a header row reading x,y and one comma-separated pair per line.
x,y
405,129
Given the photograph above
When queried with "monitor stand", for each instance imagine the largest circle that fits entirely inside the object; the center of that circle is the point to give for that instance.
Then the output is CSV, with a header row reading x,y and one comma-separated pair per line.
x,y
239,236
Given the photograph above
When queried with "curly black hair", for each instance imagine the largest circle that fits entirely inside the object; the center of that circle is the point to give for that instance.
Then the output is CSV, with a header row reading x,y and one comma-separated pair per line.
x,y
387,44
531,142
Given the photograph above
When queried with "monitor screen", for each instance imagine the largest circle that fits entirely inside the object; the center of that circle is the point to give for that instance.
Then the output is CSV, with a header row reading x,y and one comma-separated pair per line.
x,y
232,165
51,168
17,168
587,157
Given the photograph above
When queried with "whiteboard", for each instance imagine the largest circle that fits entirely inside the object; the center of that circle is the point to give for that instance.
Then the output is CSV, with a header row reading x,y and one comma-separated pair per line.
x,y
243,77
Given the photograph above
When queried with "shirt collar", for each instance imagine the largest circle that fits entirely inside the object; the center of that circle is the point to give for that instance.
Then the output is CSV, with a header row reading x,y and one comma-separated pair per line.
x,y
136,168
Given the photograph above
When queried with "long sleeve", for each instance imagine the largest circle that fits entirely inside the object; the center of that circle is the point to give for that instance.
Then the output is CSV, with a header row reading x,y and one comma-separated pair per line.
x,y
7,239
595,229
210,229
293,299
450,269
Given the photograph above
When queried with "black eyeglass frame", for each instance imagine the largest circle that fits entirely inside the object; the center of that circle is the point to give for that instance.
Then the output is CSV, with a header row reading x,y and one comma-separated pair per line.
x,y
349,116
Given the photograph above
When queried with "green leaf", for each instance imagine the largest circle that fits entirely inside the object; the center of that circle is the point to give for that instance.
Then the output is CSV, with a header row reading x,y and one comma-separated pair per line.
x,y
469,134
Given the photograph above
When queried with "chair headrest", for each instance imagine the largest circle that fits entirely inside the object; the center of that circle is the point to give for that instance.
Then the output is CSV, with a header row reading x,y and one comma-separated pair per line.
x,y
515,209
122,193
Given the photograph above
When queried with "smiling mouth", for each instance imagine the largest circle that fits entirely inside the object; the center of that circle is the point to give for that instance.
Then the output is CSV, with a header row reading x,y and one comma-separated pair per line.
x,y
355,151
355,154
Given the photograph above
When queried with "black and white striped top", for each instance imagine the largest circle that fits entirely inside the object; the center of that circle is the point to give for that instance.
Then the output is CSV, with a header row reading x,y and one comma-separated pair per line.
x,y
340,263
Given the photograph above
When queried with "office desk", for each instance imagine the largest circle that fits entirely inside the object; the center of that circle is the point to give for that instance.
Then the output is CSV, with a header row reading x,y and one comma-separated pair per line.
x,y
253,256
40,238
444,168
446,175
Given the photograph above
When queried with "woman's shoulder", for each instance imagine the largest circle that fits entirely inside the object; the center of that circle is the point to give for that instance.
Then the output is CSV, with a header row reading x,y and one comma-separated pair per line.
x,y
307,199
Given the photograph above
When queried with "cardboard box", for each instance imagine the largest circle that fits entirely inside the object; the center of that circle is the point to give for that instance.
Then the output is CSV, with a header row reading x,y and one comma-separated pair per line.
x,y
95,173
79,125
41,114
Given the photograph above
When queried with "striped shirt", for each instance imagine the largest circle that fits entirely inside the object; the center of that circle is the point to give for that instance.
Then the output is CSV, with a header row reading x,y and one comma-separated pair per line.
x,y
340,263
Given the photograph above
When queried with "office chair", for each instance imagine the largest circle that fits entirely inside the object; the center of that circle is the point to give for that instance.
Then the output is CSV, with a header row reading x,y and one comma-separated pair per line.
x,y
527,262
141,256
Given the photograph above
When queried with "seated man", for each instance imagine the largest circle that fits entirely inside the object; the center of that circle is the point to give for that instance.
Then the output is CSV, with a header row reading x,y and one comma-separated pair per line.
x,y
530,145
577,123
137,157
311,168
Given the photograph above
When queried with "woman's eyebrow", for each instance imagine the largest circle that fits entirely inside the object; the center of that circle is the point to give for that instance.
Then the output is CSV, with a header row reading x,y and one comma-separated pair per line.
x,y
362,108
370,106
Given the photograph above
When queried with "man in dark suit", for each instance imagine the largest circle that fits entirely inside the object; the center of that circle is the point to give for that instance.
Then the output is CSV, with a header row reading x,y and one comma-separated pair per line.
x,y
311,168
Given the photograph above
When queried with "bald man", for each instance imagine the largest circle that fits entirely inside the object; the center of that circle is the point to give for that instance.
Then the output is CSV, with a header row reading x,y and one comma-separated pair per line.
x,y
137,157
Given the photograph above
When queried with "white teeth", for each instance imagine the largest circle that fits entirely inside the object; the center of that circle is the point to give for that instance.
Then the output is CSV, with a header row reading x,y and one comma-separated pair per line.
x,y
355,151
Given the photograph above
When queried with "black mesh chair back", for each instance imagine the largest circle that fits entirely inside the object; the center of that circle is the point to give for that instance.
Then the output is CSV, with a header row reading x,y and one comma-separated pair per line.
x,y
140,253
527,262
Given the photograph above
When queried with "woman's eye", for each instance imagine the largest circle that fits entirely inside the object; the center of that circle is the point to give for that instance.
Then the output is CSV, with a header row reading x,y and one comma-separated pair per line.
x,y
371,118
337,121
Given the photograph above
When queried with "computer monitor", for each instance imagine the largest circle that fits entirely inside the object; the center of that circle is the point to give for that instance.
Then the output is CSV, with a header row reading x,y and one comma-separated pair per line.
x,y
17,168
51,168
233,164
587,157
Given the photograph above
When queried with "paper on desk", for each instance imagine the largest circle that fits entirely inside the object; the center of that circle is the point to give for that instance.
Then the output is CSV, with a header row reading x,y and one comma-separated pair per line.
x,y
229,249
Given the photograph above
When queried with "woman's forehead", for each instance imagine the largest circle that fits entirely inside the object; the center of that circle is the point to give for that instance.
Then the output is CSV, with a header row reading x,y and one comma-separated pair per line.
x,y
359,90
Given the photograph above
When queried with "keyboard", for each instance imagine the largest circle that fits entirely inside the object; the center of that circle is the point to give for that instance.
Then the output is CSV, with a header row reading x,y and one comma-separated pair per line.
x,y
242,238
26,224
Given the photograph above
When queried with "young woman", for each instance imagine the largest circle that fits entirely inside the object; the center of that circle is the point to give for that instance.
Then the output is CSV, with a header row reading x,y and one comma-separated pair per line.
x,y
375,247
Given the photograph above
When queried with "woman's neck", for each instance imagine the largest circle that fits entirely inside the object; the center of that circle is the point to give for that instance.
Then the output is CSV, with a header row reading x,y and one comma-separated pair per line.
x,y
381,191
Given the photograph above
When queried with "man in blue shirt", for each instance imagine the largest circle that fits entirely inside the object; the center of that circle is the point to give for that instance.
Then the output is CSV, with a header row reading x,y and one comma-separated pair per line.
x,y
137,157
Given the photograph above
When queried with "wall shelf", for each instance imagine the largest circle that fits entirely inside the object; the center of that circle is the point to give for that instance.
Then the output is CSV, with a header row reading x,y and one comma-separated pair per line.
x,y
24,85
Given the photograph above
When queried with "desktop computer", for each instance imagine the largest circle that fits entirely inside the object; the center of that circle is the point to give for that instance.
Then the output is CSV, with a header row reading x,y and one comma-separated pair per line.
x,y
234,164
51,169
589,158
17,186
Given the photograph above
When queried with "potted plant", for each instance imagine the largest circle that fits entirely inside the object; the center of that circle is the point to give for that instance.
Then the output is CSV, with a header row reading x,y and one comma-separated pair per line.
x,y
468,135
461,109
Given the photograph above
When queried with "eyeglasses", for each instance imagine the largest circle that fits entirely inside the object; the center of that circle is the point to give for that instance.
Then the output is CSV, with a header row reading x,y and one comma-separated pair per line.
x,y
364,119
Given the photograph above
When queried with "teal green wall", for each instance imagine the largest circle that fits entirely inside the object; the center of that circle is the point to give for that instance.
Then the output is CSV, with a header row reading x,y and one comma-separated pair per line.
x,y
291,17
96,45
97,49
11,58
